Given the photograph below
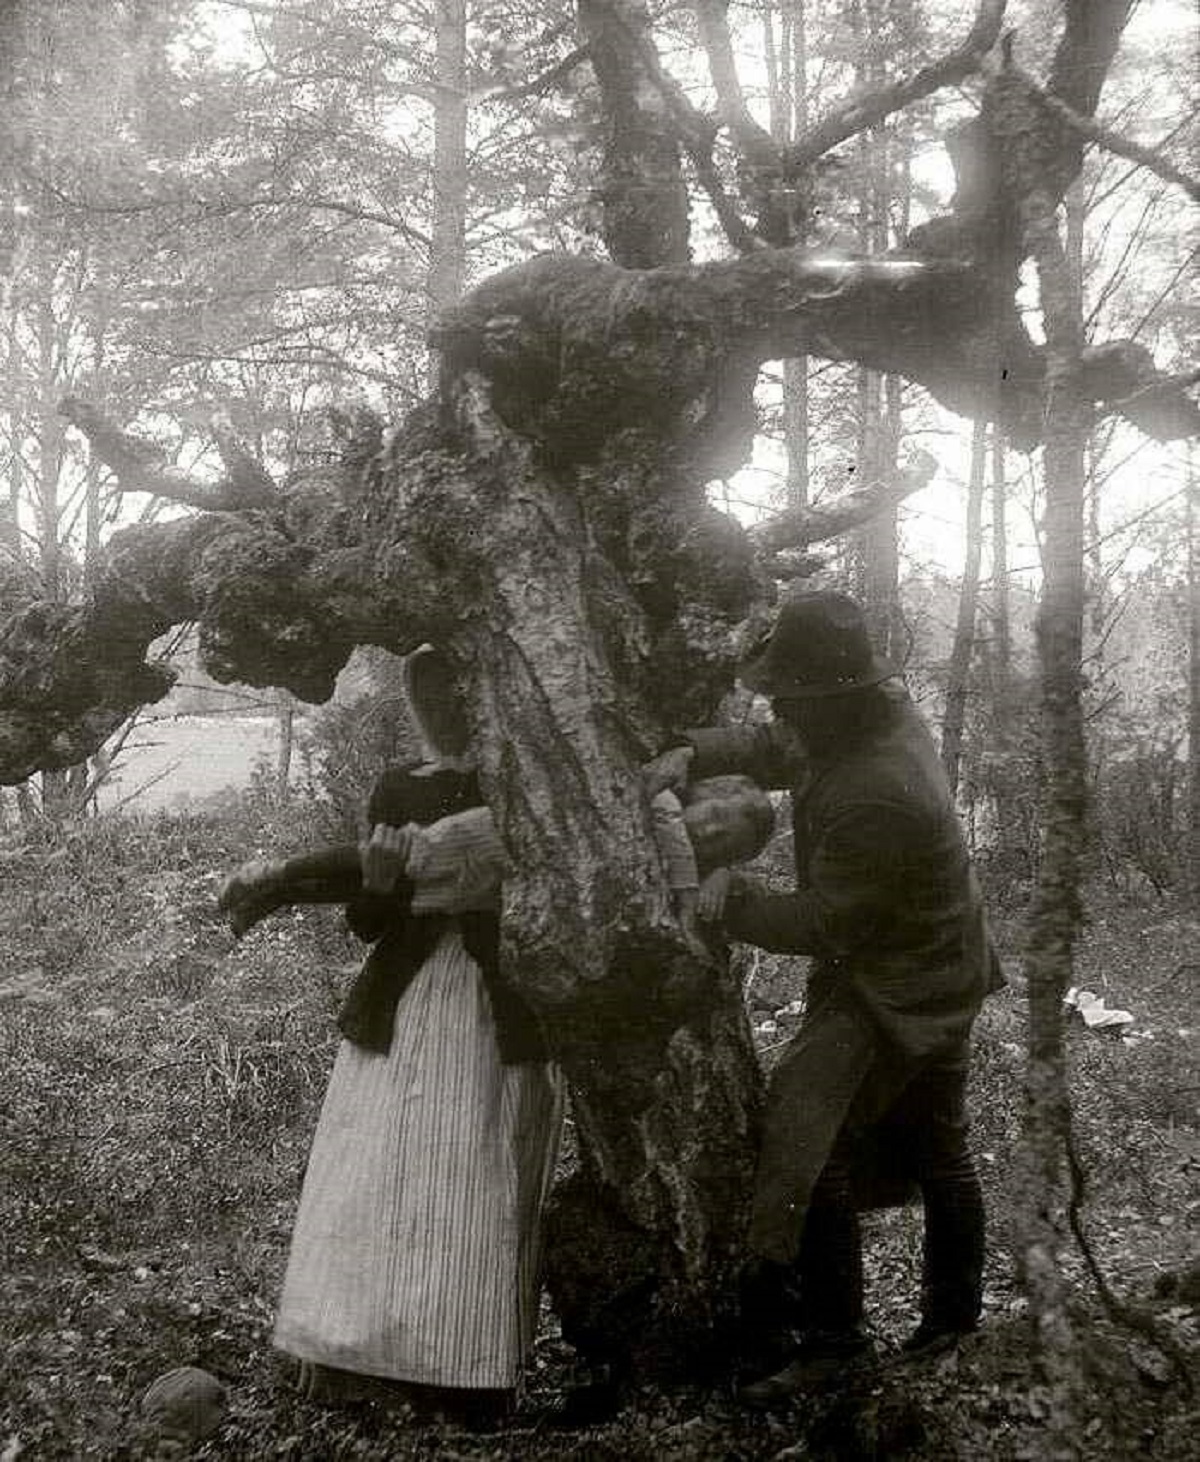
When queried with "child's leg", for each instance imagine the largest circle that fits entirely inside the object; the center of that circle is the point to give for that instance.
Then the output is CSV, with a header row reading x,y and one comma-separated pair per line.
x,y
331,876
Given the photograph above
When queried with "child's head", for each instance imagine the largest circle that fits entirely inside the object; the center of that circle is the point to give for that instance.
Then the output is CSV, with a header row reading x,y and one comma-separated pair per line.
x,y
729,820
434,704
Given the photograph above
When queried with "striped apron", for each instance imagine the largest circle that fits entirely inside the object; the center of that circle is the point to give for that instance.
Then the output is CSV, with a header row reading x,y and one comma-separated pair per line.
x,y
415,1250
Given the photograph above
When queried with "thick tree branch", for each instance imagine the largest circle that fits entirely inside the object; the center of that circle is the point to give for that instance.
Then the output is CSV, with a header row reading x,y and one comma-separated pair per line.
x,y
733,225
567,346
1091,36
281,596
577,355
1082,59
1122,374
774,175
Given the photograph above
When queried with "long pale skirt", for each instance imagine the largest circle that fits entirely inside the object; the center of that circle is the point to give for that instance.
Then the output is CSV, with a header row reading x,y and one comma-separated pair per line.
x,y
415,1251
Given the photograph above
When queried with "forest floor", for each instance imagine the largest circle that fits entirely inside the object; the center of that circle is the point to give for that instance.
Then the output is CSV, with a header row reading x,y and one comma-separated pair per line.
x,y
160,1089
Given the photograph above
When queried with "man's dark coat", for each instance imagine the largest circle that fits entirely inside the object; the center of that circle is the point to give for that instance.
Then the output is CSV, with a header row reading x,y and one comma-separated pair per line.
x,y
886,902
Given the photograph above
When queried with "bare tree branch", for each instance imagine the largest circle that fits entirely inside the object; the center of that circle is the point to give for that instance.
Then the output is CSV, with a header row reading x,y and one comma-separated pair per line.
x,y
1095,200
859,113
757,145
1111,141
139,469
297,356
800,526
698,134
319,17
208,208
538,84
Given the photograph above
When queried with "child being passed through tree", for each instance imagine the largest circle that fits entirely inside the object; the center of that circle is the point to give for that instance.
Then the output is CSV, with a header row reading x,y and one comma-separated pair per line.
x,y
457,863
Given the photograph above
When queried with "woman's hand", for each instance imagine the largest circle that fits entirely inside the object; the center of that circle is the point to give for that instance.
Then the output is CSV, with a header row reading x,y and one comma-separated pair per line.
x,y
384,857
714,890
668,769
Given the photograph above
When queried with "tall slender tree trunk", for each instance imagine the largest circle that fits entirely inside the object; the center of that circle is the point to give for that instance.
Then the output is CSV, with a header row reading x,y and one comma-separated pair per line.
x,y
1009,801
787,91
50,443
448,248
1191,850
92,505
879,397
285,711
57,801
795,370
1055,916
10,507
91,519
968,602
1001,596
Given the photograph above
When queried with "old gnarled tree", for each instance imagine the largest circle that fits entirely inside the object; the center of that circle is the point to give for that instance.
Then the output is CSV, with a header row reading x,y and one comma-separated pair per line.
x,y
544,518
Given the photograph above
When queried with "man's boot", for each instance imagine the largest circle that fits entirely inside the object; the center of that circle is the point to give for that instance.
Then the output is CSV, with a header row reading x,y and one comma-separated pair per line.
x,y
822,1359
952,1279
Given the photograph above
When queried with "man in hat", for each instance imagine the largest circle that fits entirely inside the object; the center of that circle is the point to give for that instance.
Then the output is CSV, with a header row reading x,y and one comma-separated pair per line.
x,y
888,907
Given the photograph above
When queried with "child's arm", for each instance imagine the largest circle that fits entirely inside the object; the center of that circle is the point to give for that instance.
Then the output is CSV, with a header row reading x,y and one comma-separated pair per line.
x,y
454,865
679,859
674,845
457,863
331,875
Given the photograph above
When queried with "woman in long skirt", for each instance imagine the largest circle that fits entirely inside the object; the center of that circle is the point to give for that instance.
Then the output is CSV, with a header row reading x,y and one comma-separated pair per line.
x,y
414,1256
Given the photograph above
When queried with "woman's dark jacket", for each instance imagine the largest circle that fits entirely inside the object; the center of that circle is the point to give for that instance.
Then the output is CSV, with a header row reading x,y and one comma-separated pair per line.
x,y
403,941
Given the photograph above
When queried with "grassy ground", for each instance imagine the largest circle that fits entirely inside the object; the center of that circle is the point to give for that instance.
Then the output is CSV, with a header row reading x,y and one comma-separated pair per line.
x,y
160,1089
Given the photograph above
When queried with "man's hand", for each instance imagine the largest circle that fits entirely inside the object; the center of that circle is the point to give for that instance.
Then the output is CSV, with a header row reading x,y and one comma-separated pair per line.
x,y
714,890
384,856
668,769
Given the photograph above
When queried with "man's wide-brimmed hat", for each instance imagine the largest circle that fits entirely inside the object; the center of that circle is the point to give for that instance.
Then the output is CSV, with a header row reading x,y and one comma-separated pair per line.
x,y
818,646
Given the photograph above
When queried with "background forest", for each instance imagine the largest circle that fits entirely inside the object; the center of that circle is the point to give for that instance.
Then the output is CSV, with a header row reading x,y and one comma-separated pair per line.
x,y
255,212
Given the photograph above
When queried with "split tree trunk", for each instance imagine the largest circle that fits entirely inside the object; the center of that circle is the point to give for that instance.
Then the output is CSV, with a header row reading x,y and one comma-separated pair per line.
x,y
655,1042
